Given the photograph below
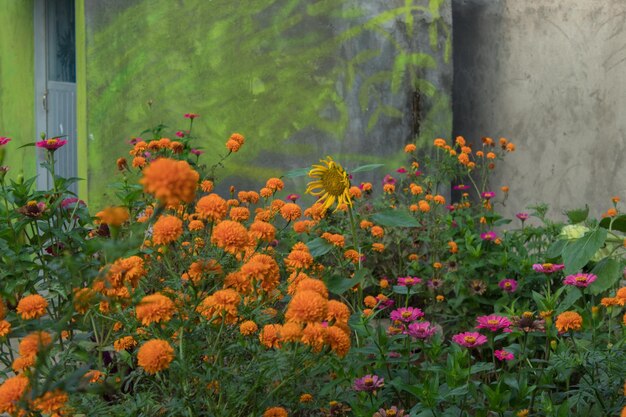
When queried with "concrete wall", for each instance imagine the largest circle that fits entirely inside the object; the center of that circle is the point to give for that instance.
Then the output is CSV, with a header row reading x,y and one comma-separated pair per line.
x,y
17,89
551,77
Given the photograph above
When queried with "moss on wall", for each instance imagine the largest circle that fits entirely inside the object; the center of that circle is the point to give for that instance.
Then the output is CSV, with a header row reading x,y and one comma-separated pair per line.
x,y
300,79
17,89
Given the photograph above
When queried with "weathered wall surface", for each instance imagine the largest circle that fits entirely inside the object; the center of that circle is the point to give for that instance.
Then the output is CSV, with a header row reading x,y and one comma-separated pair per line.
x,y
300,79
17,88
550,76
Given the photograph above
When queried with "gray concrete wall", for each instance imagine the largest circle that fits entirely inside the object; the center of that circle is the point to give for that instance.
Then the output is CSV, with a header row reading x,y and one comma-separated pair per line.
x,y
551,77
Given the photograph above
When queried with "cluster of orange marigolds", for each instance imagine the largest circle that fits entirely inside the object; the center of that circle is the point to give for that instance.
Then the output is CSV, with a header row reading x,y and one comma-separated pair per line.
x,y
240,227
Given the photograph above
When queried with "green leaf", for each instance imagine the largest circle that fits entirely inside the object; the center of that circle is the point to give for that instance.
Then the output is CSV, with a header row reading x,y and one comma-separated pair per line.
x,y
338,285
395,218
608,272
619,223
368,167
576,254
578,215
319,247
300,172
571,297
555,249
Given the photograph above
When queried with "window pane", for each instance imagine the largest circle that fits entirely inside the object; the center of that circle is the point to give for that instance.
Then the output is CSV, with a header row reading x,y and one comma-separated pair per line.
x,y
61,45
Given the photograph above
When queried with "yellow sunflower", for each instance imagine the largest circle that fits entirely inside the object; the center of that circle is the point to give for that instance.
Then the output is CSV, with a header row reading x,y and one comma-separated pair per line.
x,y
331,183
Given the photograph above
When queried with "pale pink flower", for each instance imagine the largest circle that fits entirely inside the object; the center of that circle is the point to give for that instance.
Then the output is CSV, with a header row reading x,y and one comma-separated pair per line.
x,y
492,322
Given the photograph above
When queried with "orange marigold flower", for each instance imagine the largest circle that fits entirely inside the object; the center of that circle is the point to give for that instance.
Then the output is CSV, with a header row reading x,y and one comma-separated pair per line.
x,y
30,344
113,216
465,149
5,328
410,148
206,186
338,312
338,340
32,306
377,231
316,211
230,236
370,301
212,207
276,205
23,363
155,308
306,398
569,320
453,247
11,391
621,293
460,140
270,335
239,214
307,306
314,335
366,224
352,255
262,269
503,141
510,147
275,184
83,299
171,181
480,154
615,199
199,269
440,143
195,225
366,186
383,283
124,343
94,376
355,192
487,141
413,257
491,155
611,301
504,189
139,162
463,159
291,211
439,199
437,265
423,205
232,145
222,304
126,271
275,412
389,188
266,192
335,239
290,332
303,226
378,247
263,231
612,212
167,229
313,284
248,327
299,258
155,355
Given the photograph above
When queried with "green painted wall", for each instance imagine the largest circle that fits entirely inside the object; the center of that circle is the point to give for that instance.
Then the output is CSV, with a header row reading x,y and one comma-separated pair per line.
x,y
17,89
301,79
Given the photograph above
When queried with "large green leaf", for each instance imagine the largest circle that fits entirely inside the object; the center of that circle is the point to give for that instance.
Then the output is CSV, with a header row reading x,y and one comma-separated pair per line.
x,y
300,172
369,167
576,254
573,295
319,247
578,215
608,272
338,285
619,223
395,218
556,248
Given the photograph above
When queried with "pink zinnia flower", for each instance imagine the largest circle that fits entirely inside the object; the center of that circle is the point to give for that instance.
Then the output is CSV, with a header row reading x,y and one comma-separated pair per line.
x,y
293,197
180,134
488,195
389,179
406,314
421,330
435,283
384,302
492,322
191,115
368,383
504,355
490,235
508,285
409,281
580,280
196,152
71,202
522,216
461,187
51,144
469,339
548,268
401,170
4,140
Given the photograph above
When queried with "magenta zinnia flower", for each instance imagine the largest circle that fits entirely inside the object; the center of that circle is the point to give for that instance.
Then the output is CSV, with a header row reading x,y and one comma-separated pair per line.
x,y
490,235
389,179
368,383
548,268
469,339
580,280
488,195
504,355
191,115
461,187
406,314
508,285
522,216
293,197
492,322
401,170
51,144
4,140
409,281
421,330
